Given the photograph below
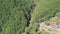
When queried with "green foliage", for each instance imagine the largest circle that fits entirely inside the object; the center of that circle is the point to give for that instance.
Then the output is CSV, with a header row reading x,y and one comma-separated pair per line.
x,y
15,15
45,9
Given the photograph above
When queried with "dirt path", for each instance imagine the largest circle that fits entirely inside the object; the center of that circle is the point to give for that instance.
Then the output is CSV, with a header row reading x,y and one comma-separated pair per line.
x,y
46,28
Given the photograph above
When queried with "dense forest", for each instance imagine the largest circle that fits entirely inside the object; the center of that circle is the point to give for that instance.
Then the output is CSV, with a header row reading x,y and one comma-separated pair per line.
x,y
23,16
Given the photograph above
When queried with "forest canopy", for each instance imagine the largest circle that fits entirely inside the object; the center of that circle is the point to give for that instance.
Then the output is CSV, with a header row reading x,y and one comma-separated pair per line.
x,y
23,16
